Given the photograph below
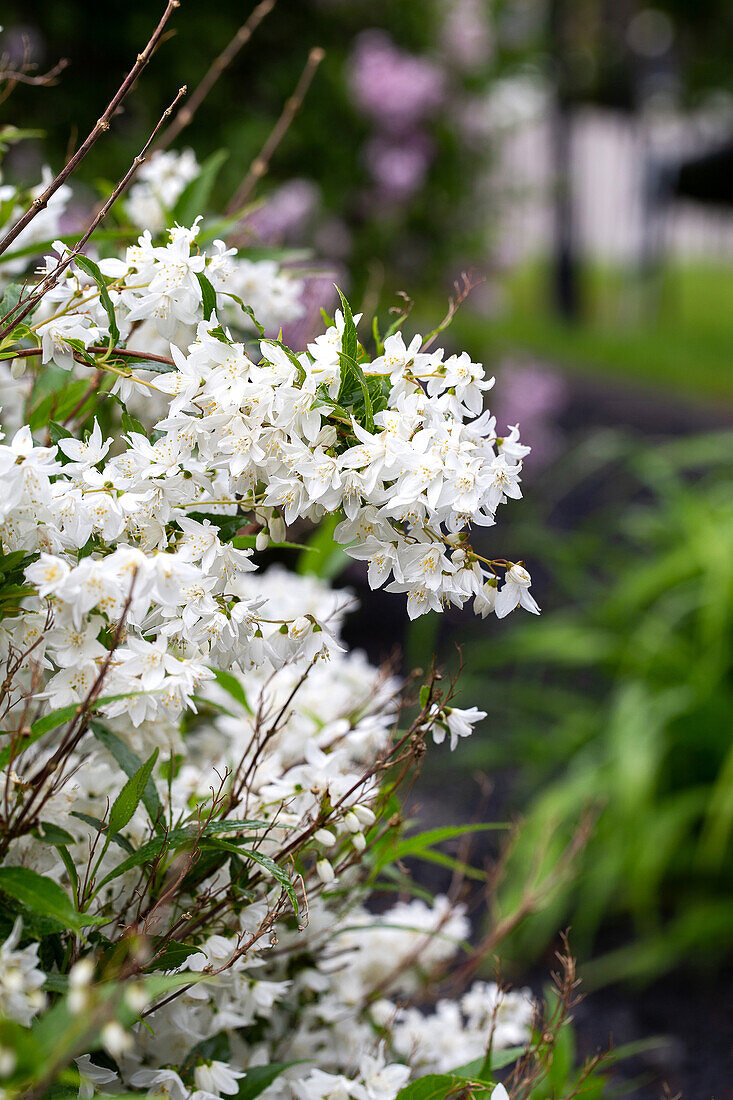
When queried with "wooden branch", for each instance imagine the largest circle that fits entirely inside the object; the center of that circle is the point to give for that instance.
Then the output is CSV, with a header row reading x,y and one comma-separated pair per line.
x,y
260,164
100,127
53,276
217,67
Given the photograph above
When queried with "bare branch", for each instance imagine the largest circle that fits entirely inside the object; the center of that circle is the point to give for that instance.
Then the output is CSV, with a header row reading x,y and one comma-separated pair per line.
x,y
100,127
53,276
217,67
260,164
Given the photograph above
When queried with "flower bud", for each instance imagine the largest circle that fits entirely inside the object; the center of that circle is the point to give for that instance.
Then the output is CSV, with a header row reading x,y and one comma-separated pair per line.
x,y
115,1039
364,814
278,529
8,1061
359,841
325,871
324,837
263,540
352,823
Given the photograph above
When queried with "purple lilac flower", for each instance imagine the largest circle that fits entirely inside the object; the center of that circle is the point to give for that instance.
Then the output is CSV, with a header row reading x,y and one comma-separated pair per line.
x,y
533,395
319,293
396,89
398,167
285,214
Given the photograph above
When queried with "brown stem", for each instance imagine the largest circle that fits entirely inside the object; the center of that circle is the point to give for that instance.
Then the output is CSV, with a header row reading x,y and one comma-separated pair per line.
x,y
101,126
217,67
53,276
260,164
95,349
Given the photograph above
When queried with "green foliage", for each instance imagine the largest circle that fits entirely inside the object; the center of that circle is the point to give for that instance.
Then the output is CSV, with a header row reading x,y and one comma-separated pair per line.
x,y
127,800
619,705
43,897
133,767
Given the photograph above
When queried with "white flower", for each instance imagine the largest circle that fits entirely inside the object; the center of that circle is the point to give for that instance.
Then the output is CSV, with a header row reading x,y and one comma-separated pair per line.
x,y
380,1080
21,996
459,723
90,1076
89,452
515,593
217,1078
160,1082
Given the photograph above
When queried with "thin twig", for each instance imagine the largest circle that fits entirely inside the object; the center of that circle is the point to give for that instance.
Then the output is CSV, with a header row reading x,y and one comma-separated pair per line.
x,y
53,276
217,67
260,164
100,127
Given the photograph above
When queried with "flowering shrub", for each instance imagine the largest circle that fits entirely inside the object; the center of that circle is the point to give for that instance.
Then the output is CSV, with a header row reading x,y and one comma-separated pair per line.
x,y
200,785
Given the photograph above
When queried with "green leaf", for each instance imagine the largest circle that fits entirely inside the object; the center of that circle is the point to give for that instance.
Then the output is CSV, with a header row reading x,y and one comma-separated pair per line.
x,y
70,866
272,868
130,764
131,425
59,404
93,269
175,955
349,342
128,799
11,297
44,896
232,686
259,1077
419,846
51,722
48,833
499,1059
57,432
208,295
434,1086
195,196
248,310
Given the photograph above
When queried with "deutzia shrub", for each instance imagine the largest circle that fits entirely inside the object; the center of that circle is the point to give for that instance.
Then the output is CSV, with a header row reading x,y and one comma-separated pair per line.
x,y
200,784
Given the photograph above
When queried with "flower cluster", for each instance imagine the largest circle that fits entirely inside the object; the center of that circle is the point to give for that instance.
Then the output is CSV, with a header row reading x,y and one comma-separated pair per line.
x,y
138,635
331,991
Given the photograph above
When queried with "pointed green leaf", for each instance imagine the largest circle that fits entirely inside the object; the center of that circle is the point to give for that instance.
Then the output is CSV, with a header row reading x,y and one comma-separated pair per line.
x,y
130,764
128,799
92,269
44,896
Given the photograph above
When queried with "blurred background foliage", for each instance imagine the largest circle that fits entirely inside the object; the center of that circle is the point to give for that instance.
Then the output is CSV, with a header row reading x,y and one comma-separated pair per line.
x,y
577,154
618,704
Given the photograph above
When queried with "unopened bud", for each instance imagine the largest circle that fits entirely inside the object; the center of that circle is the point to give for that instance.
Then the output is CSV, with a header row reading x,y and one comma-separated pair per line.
x,y
324,837
115,1039
262,541
278,529
365,815
8,1061
325,871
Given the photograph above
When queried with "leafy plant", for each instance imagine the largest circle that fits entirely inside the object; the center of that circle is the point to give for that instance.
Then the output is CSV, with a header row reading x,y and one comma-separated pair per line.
x,y
619,705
